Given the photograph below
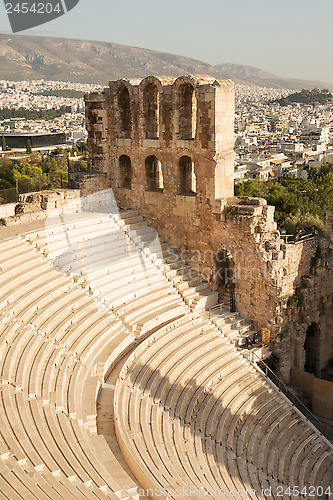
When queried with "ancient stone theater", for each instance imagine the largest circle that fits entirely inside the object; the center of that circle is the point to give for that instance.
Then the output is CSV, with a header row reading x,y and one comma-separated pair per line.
x,y
151,322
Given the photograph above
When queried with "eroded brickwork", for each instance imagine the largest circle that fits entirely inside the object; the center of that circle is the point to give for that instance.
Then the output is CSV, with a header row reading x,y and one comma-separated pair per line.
x,y
165,147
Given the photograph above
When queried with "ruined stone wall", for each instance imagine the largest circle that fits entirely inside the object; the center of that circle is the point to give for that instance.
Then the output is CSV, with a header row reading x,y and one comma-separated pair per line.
x,y
38,205
164,146
311,312
89,182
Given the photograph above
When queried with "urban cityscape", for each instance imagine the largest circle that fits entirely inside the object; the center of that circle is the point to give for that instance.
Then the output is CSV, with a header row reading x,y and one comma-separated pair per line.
x,y
271,140
33,96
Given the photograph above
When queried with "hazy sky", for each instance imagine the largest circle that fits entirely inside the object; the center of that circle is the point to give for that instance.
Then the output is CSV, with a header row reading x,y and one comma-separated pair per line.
x,y
292,38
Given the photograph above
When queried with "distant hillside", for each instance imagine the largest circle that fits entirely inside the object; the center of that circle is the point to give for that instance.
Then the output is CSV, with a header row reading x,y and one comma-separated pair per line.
x,y
69,93
314,96
262,78
28,57
24,57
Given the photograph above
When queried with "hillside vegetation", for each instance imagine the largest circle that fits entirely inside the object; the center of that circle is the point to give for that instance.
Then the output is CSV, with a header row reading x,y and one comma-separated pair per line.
x,y
37,171
31,114
68,93
314,96
299,203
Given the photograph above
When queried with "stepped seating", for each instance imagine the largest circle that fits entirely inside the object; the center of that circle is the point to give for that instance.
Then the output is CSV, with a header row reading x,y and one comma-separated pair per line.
x,y
59,340
232,325
53,404
190,411
239,332
240,431
36,362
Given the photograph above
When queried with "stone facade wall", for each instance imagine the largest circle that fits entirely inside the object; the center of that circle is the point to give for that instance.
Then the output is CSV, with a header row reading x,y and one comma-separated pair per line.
x,y
165,147
89,183
115,132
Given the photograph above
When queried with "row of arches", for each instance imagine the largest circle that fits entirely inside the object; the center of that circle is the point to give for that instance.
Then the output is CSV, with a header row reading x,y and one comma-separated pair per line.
x,y
186,106
154,175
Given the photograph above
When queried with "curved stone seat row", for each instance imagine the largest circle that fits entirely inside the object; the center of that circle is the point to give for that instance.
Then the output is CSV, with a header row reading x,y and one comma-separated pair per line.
x,y
62,329
121,244
115,272
52,343
227,426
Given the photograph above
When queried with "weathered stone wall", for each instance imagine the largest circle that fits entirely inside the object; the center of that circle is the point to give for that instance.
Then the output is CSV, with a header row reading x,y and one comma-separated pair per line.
x,y
329,224
312,309
115,131
38,205
319,391
89,183
171,158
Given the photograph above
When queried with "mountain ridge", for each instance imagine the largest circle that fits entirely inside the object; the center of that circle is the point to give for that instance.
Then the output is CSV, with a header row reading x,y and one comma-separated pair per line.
x,y
257,75
26,57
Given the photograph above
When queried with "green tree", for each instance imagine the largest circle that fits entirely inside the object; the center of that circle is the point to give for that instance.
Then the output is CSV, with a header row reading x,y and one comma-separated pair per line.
x,y
314,96
297,222
82,147
6,162
299,203
31,114
83,166
4,145
26,171
247,188
7,180
29,177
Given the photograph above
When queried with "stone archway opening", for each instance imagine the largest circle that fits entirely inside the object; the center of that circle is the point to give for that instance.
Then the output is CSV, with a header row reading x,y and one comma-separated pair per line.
x,y
224,274
154,175
125,172
151,111
312,347
187,111
125,113
188,182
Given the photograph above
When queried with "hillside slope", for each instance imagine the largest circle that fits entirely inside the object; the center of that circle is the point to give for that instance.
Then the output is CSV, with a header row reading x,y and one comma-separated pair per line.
x,y
263,78
24,57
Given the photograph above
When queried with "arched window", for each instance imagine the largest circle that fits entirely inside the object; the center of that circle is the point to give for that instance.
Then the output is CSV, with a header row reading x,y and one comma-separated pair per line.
x,y
224,275
125,114
125,171
187,177
311,347
154,177
187,111
151,111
